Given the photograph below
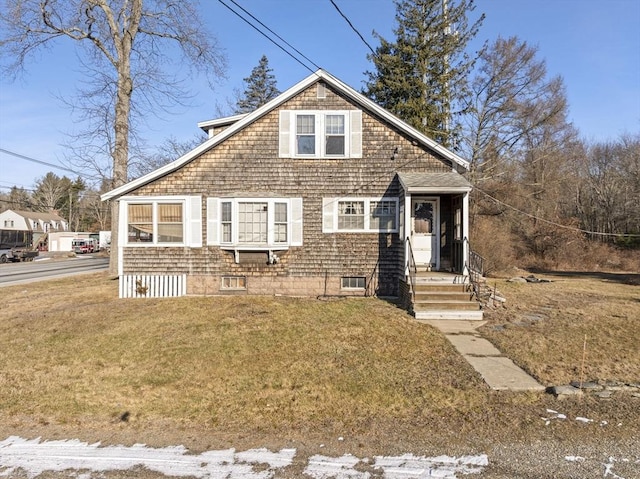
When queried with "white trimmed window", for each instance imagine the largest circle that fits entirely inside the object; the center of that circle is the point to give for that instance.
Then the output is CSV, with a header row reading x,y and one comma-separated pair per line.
x,y
321,134
353,282
254,223
161,221
360,215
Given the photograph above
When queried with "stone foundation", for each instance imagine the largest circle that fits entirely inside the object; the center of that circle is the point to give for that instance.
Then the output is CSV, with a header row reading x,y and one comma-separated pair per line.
x,y
307,286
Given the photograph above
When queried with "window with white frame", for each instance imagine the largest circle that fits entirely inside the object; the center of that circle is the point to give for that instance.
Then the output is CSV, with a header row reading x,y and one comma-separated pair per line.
x,y
360,215
353,282
383,215
155,222
321,134
160,221
350,215
234,282
254,223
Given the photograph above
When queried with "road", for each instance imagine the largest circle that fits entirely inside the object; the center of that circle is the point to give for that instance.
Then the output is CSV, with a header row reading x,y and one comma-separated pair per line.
x,y
45,268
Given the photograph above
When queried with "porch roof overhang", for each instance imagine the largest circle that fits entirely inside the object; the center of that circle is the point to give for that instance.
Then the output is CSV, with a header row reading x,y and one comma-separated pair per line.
x,y
444,182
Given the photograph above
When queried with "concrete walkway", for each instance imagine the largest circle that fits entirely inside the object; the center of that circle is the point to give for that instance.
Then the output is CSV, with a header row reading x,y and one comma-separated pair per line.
x,y
498,371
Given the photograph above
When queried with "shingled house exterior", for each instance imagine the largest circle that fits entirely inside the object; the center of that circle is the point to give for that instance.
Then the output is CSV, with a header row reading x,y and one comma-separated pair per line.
x,y
318,192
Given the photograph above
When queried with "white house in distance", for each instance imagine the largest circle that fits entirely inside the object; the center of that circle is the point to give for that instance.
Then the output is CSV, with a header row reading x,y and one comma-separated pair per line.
x,y
39,224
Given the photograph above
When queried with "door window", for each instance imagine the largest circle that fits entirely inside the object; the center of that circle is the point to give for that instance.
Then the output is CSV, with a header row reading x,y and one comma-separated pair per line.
x,y
423,217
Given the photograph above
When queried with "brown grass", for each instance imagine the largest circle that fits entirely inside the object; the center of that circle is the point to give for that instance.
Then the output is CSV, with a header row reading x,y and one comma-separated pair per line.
x,y
218,372
544,325
72,349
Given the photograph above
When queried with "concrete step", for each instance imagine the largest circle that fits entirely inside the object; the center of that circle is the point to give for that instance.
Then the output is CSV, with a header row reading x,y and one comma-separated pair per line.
x,y
423,287
444,304
449,315
425,295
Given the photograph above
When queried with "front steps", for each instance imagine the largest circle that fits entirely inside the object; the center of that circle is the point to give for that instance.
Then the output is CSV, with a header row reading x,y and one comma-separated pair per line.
x,y
444,296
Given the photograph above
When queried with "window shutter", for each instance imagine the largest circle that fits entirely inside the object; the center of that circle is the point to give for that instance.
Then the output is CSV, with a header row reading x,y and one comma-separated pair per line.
x,y
213,222
194,226
327,214
285,134
296,221
356,134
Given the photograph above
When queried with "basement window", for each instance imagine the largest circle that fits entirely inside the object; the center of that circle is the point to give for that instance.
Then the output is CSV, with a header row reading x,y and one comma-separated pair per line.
x,y
234,283
353,282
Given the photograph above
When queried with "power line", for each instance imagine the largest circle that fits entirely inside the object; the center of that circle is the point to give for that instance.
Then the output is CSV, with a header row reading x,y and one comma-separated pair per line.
x,y
18,155
269,38
553,223
351,25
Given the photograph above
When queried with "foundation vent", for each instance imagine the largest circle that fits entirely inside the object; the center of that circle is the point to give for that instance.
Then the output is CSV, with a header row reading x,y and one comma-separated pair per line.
x,y
153,286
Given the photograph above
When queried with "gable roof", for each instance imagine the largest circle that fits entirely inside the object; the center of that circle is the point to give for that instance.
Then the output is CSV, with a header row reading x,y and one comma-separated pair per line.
x,y
450,182
246,120
36,215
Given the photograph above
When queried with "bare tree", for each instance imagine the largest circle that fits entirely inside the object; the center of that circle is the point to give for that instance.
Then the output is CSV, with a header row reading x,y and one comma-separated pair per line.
x,y
510,97
169,150
128,48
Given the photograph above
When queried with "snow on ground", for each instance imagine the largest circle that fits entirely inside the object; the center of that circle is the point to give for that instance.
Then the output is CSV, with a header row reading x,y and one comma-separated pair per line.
x,y
36,456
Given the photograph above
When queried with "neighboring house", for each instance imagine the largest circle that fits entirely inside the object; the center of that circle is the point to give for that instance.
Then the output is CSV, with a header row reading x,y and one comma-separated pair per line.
x,y
37,223
318,192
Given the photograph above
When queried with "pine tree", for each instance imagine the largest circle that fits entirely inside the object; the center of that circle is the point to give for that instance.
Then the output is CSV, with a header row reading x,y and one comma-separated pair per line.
x,y
422,75
260,88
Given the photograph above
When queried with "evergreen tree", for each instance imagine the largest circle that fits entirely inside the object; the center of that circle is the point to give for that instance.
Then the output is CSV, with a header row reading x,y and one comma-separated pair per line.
x,y
421,77
260,88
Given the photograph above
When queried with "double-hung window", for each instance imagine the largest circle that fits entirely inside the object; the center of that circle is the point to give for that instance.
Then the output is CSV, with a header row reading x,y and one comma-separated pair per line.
x,y
165,221
321,134
254,223
155,222
360,215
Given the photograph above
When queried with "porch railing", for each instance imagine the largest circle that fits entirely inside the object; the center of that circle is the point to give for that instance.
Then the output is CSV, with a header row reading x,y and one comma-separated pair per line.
x,y
412,269
474,264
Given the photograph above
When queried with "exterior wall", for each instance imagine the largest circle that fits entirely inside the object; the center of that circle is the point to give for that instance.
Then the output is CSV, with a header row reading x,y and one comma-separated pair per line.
x,y
10,220
247,164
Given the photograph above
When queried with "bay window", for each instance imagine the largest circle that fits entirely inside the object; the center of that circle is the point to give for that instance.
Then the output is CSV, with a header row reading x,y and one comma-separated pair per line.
x,y
254,223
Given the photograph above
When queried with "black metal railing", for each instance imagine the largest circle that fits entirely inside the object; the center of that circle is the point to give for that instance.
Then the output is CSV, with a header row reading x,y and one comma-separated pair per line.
x,y
412,269
474,264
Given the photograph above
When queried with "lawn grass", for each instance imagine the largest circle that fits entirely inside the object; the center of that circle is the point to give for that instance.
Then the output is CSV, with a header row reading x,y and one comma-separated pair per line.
x,y
76,361
544,326
72,349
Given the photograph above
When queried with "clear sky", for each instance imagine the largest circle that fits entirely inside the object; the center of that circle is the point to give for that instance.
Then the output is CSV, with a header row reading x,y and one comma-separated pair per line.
x,y
593,44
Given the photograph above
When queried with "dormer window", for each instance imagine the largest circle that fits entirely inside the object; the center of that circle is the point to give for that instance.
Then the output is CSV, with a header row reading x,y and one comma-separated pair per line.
x,y
321,134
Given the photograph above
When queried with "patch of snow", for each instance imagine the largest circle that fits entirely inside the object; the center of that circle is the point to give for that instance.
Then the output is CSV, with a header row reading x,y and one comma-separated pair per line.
x,y
325,467
445,467
584,419
574,458
36,456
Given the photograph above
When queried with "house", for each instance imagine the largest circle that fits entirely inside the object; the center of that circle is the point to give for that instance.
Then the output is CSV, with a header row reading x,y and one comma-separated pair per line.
x,y
318,192
37,223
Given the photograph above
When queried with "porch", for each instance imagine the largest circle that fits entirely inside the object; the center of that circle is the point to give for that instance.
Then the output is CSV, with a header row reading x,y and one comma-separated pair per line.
x,y
441,272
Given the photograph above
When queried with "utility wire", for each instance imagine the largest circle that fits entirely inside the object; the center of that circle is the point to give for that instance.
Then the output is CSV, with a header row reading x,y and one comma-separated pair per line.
x,y
18,155
351,25
271,39
553,223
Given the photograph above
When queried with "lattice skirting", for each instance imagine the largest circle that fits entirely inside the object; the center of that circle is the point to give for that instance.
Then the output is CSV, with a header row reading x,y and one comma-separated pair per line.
x,y
153,286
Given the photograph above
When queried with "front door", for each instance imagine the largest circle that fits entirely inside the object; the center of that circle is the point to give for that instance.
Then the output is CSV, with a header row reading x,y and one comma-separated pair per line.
x,y
425,231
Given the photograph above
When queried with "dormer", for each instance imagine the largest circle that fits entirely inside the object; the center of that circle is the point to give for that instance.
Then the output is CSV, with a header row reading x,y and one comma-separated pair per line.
x,y
215,127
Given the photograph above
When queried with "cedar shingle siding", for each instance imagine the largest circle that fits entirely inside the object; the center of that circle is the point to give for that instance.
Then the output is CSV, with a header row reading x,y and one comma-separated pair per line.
x,y
247,164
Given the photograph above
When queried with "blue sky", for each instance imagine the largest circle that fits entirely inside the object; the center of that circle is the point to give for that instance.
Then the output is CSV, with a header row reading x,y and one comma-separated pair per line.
x,y
593,44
